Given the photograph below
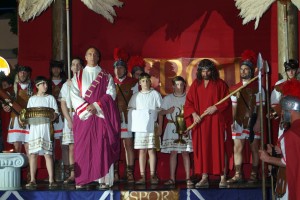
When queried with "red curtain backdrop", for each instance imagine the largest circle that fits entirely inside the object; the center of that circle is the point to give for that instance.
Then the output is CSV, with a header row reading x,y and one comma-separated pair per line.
x,y
154,29
174,33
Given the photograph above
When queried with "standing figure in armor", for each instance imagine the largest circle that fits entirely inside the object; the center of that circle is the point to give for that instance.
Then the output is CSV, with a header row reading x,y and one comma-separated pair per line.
x,y
21,92
291,70
125,87
68,113
172,107
288,142
246,123
57,79
5,83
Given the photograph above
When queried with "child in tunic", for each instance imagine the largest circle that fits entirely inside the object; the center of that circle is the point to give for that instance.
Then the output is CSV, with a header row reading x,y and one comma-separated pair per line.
x,y
148,101
40,142
171,107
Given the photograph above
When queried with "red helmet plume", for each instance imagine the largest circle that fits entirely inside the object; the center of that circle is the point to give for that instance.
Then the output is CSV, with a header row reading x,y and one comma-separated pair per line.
x,y
136,62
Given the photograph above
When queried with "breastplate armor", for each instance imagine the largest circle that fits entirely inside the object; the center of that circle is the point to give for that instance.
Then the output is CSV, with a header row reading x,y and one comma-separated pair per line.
x,y
122,104
246,106
22,99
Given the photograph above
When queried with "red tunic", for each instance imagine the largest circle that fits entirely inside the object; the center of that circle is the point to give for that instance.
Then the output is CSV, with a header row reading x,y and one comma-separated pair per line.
x,y
292,151
208,136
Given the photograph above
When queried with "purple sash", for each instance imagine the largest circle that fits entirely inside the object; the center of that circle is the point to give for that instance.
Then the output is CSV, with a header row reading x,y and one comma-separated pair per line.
x,y
96,140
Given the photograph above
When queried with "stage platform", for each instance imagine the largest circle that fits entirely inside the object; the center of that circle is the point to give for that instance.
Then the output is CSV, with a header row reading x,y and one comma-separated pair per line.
x,y
138,192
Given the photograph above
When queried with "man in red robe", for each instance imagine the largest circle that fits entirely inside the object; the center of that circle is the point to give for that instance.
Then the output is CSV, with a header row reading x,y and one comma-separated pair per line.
x,y
209,132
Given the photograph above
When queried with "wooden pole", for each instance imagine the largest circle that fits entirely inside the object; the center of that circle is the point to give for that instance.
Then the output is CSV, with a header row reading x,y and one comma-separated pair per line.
x,y
287,23
59,31
222,100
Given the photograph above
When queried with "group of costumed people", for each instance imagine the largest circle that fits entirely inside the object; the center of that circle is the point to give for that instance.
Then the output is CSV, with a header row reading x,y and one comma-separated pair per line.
x,y
99,111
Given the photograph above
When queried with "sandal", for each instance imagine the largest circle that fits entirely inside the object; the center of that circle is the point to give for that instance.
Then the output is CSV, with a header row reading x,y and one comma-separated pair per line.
x,y
141,181
202,184
103,186
31,185
223,184
237,178
189,183
169,182
253,178
70,180
78,187
52,185
154,180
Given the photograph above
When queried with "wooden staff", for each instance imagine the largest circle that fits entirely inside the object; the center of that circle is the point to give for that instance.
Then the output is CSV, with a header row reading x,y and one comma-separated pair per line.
x,y
221,101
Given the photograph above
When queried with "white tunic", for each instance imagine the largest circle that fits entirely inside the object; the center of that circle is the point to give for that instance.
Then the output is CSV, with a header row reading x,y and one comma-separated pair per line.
x,y
39,135
150,100
89,74
67,135
58,125
276,95
170,134
275,101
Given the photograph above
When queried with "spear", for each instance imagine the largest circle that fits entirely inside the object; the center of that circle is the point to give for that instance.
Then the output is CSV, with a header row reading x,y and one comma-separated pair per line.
x,y
260,67
268,118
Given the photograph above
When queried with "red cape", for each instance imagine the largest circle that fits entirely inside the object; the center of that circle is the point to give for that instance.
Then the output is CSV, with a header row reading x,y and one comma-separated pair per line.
x,y
208,136
292,150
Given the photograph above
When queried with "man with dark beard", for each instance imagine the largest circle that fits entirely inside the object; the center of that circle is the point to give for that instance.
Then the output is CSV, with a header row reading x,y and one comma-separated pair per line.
x,y
208,135
245,105
21,91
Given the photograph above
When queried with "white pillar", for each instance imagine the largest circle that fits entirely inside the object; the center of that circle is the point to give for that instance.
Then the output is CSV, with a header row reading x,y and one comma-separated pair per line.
x,y
10,170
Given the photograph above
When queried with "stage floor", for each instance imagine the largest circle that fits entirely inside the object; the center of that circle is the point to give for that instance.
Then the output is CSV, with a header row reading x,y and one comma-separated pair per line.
x,y
132,191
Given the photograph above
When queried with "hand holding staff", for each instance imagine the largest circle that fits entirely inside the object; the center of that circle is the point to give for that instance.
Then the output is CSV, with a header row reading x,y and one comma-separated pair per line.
x,y
208,111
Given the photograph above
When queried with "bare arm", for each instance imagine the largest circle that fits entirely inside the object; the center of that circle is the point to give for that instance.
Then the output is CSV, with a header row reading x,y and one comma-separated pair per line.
x,y
66,113
160,124
264,156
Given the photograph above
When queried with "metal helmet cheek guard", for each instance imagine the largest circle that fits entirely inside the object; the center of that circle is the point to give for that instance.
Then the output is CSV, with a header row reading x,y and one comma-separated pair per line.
x,y
290,103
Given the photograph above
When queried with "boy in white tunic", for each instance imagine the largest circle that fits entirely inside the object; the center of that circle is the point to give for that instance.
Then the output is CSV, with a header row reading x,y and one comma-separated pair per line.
x,y
40,142
146,101
172,106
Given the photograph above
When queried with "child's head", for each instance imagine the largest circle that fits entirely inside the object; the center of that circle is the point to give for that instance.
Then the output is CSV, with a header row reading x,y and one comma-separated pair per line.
x,y
179,84
41,84
145,81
